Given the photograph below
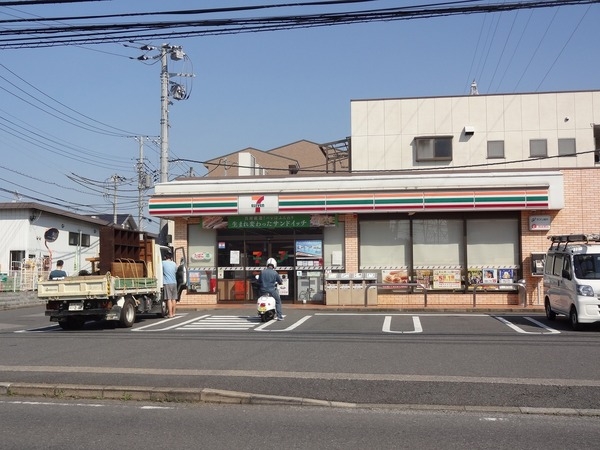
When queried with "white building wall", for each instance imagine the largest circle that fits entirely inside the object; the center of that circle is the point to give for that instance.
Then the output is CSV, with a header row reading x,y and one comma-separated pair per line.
x,y
19,233
383,131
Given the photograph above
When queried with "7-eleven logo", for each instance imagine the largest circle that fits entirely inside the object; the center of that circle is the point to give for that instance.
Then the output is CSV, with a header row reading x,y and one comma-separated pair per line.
x,y
257,203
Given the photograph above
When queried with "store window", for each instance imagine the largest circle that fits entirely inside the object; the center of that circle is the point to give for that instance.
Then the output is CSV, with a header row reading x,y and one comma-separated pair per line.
x,y
433,148
492,250
385,243
333,246
442,253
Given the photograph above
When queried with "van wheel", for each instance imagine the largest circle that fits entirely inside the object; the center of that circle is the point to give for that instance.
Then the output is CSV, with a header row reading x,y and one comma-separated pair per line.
x,y
550,315
127,314
574,319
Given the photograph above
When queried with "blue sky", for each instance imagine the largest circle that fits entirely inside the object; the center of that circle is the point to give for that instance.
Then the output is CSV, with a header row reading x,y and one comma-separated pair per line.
x,y
260,90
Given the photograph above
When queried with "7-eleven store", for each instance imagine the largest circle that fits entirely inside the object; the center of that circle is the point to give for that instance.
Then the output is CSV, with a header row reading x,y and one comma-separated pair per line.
x,y
333,235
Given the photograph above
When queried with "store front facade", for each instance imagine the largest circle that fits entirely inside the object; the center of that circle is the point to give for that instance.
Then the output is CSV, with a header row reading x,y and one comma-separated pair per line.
x,y
355,231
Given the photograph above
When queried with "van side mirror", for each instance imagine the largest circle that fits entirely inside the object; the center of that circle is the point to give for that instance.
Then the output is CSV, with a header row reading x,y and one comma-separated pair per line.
x,y
566,274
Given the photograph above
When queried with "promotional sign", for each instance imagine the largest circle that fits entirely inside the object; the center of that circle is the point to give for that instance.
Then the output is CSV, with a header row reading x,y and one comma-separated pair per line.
x,y
539,223
446,279
309,249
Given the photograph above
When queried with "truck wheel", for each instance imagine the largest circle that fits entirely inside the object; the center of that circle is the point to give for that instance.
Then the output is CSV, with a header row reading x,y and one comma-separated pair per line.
x,y
72,323
127,314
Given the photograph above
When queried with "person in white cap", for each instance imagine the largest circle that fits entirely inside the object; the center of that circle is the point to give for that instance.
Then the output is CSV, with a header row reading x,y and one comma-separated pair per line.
x,y
267,284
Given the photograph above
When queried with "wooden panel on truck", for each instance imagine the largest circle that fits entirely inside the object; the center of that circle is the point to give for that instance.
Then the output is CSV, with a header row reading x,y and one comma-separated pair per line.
x,y
118,243
146,255
128,269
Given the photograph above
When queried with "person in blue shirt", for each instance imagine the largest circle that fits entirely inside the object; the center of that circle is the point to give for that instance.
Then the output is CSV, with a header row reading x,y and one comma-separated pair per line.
x,y
58,273
267,284
170,283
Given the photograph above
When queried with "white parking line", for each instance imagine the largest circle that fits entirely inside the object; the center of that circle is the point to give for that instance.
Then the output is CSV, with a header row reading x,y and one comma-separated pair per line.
x,y
522,331
387,322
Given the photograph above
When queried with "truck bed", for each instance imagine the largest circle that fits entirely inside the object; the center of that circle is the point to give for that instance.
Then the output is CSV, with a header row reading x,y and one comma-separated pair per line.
x,y
95,286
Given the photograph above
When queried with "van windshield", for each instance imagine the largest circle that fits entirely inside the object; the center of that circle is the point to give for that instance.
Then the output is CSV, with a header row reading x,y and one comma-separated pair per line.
x,y
587,266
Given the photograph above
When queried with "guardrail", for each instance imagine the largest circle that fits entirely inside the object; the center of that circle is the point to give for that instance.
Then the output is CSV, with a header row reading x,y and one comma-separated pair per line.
x,y
520,287
400,285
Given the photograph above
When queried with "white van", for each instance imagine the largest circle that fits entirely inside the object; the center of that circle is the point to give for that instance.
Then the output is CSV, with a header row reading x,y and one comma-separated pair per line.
x,y
572,278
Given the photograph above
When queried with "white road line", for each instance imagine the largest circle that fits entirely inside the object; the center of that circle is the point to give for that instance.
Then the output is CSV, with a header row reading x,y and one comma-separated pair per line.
x,y
45,329
387,322
522,331
223,323
167,320
290,328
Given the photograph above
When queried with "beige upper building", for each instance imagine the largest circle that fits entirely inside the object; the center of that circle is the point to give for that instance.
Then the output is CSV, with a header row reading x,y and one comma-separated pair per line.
x,y
303,157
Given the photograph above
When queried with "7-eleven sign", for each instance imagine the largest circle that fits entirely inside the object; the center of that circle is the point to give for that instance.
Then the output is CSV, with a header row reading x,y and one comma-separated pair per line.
x,y
258,204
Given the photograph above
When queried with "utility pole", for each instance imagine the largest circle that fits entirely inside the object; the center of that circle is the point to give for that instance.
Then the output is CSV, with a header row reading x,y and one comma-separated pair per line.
x,y
142,184
164,115
168,88
116,179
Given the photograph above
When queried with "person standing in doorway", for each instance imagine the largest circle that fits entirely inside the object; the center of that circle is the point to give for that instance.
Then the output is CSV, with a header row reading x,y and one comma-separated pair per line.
x,y
170,283
267,284
58,273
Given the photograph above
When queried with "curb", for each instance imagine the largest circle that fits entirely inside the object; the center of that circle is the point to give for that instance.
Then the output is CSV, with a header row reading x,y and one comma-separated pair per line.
x,y
207,395
158,394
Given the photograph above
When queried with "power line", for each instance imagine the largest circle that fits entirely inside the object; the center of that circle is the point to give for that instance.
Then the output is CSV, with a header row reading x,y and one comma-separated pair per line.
x,y
312,169
120,32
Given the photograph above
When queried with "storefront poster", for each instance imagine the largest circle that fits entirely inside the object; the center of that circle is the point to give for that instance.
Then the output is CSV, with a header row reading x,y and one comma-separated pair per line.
x,y
394,278
309,249
234,257
506,276
490,275
284,289
446,279
425,277
214,222
475,276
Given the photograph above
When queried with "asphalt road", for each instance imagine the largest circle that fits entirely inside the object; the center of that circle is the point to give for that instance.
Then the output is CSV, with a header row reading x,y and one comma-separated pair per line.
x,y
56,424
501,360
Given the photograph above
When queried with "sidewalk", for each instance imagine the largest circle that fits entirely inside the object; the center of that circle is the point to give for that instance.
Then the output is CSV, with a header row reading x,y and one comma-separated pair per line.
x,y
12,300
462,308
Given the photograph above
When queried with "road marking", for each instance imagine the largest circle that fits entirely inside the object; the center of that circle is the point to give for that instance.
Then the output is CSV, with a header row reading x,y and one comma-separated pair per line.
x,y
290,328
522,331
387,322
168,320
45,329
222,323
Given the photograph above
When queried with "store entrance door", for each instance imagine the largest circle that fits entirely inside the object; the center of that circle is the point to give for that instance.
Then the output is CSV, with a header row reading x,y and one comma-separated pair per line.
x,y
259,251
